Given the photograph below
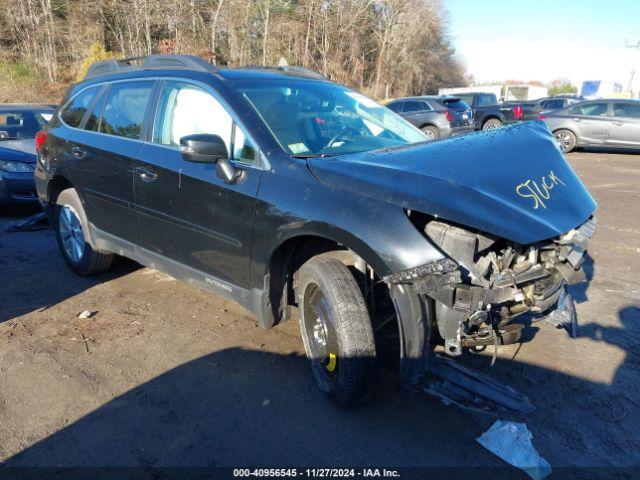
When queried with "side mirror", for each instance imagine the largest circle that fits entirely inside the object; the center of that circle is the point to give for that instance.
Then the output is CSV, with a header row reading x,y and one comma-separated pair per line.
x,y
203,148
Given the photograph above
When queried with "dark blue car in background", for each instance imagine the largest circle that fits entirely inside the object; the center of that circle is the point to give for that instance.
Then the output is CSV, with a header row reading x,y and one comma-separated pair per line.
x,y
18,127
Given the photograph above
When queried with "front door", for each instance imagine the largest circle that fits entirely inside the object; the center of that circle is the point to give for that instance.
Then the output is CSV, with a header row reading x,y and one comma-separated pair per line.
x,y
625,125
185,212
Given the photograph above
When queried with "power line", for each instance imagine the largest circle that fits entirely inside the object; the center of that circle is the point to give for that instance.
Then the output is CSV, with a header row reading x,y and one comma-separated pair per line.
x,y
633,68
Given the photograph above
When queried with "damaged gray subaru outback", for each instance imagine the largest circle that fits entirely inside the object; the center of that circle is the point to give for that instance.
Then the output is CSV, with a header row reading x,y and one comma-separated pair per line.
x,y
285,192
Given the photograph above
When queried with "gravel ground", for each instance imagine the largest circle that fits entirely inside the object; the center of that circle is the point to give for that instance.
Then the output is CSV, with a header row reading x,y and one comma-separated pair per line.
x,y
164,374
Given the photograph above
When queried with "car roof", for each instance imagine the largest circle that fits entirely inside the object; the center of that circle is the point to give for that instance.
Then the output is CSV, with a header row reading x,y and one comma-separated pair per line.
x,y
25,107
188,66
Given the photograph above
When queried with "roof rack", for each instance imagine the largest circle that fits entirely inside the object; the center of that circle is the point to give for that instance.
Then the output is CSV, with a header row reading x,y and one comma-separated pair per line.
x,y
293,70
149,62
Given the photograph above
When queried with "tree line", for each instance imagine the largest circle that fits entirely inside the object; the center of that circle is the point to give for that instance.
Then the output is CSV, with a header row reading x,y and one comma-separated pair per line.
x,y
384,48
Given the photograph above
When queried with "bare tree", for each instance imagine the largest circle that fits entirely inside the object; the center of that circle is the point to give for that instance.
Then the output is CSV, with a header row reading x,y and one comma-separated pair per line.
x,y
381,47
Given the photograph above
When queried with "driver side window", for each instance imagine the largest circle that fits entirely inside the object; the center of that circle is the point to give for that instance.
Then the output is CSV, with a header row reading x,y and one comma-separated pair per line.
x,y
185,109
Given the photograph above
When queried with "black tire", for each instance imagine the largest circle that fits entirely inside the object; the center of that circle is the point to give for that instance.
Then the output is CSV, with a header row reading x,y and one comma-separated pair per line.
x,y
328,295
566,140
87,260
491,124
431,132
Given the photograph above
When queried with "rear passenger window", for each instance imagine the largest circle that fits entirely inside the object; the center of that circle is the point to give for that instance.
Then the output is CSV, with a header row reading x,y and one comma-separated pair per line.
x,y
74,111
124,109
413,106
626,110
594,109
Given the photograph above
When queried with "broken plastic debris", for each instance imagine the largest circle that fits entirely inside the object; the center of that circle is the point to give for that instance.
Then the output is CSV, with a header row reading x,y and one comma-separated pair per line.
x,y
511,441
564,315
86,314
39,221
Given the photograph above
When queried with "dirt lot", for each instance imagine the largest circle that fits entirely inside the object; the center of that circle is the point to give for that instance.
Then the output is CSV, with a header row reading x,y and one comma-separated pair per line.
x,y
165,374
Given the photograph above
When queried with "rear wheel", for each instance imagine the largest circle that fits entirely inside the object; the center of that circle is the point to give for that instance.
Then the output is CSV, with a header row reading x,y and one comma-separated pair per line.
x,y
491,124
70,224
336,330
566,140
431,132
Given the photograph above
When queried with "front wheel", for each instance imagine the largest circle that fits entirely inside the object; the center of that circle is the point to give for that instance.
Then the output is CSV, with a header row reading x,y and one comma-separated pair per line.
x,y
336,330
566,140
69,222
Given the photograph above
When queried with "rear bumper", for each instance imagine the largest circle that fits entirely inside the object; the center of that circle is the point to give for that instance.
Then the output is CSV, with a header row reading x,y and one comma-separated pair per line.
x,y
17,188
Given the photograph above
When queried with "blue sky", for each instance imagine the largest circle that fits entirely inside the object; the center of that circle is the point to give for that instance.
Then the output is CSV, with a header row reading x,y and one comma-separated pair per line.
x,y
545,39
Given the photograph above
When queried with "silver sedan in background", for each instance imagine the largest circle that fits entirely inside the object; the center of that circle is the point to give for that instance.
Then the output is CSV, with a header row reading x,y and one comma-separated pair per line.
x,y
596,123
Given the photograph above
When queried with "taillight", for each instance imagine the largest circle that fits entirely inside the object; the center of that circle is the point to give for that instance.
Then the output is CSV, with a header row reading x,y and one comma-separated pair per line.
x,y
542,117
518,111
448,115
41,137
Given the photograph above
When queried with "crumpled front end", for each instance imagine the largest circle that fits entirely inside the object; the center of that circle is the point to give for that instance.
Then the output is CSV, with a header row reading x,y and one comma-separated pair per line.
x,y
485,282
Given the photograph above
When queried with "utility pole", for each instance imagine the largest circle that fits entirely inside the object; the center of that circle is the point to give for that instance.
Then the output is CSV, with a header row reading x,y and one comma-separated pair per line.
x,y
633,68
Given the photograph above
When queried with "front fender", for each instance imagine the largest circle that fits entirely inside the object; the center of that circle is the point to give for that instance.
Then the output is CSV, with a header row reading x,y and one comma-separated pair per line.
x,y
379,232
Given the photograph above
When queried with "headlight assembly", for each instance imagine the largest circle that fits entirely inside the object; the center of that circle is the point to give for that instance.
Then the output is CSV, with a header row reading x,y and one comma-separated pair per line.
x,y
16,167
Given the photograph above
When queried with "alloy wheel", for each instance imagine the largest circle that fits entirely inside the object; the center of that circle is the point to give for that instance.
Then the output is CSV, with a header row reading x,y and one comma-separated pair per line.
x,y
564,140
71,233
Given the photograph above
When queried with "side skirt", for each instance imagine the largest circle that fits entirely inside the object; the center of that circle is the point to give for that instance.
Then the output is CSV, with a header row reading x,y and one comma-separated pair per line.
x,y
248,299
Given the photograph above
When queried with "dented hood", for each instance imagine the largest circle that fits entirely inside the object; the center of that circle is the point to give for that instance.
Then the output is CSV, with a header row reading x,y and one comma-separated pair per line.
x,y
512,182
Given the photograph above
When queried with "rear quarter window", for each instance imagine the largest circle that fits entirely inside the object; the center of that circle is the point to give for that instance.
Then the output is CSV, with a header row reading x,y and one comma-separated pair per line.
x,y
414,106
73,113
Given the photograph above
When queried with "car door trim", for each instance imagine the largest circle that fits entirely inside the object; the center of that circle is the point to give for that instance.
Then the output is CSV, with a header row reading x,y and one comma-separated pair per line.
x,y
105,241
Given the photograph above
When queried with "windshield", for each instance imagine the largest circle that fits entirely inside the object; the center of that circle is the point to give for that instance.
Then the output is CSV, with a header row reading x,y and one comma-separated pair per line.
x,y
317,118
20,124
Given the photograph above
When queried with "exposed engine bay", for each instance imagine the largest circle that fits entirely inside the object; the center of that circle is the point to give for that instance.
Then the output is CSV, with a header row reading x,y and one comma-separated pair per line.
x,y
486,282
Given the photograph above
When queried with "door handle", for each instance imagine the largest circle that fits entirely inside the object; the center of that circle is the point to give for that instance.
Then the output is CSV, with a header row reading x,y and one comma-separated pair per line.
x,y
576,119
146,174
618,122
78,152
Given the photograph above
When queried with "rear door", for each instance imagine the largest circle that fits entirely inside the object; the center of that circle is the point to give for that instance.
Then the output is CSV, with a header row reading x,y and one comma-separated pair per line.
x,y
590,121
418,112
625,124
105,149
185,212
